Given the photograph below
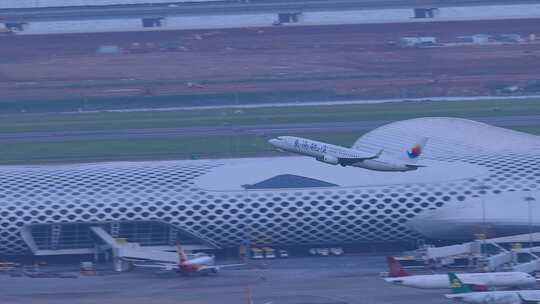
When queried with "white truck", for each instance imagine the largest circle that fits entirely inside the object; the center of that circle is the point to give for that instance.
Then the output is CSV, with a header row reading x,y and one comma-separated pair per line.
x,y
257,254
269,253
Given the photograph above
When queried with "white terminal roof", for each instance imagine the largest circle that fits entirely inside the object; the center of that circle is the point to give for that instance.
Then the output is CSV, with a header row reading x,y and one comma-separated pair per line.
x,y
235,173
447,137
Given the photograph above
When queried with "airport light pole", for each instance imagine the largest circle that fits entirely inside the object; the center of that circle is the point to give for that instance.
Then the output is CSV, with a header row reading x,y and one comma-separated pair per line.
x,y
529,200
483,188
247,233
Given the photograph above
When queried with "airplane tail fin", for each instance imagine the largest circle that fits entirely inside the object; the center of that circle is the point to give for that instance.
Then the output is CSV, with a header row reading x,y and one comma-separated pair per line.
x,y
395,269
456,284
415,152
182,258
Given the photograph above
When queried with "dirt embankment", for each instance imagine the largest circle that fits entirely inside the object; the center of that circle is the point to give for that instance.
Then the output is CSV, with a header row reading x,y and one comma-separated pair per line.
x,y
354,61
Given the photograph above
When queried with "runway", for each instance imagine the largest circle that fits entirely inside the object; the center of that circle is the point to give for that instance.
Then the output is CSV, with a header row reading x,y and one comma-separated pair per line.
x,y
315,103
226,7
297,280
238,130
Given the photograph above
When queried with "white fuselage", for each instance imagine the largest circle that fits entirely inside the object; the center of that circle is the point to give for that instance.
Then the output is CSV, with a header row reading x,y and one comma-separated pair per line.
x,y
202,260
496,297
490,279
332,154
317,149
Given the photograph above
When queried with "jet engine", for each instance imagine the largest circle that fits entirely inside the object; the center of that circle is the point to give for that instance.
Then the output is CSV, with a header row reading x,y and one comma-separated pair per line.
x,y
332,160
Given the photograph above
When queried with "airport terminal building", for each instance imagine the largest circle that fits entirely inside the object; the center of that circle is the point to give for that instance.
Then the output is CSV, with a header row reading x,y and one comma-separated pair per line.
x,y
476,177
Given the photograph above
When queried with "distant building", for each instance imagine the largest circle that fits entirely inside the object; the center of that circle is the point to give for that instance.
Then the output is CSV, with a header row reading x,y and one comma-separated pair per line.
x,y
476,39
511,38
417,41
65,3
480,38
422,13
166,15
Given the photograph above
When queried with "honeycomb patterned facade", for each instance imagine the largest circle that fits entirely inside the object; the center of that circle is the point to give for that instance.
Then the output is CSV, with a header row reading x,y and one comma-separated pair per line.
x,y
167,191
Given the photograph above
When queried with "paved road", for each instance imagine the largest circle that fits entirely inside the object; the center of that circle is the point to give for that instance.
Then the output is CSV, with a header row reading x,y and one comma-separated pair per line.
x,y
227,7
321,280
259,130
313,103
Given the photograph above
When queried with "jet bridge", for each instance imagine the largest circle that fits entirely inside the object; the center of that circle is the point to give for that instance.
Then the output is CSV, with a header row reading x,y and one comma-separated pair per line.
x,y
123,236
491,254
123,251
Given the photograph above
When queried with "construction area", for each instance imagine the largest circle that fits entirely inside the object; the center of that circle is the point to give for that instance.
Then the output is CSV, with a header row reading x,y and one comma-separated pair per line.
x,y
251,65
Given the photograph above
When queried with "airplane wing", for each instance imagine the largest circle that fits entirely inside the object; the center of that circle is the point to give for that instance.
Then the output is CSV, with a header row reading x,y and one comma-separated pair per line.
x,y
207,269
161,266
347,161
458,297
229,265
478,287
218,267
414,167
525,300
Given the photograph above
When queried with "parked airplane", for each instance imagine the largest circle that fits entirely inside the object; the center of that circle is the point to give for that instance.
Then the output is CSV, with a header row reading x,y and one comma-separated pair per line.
x,y
476,281
463,293
197,265
337,155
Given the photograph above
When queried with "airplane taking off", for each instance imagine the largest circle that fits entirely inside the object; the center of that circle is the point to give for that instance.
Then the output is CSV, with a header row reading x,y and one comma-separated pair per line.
x,y
475,281
337,155
461,292
198,265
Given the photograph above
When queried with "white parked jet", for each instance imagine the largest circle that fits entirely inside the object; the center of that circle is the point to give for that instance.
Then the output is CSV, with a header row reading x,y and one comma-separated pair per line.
x,y
476,281
461,292
337,155
197,265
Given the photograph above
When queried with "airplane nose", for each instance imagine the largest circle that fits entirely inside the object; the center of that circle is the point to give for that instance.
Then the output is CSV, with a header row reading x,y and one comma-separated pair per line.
x,y
273,142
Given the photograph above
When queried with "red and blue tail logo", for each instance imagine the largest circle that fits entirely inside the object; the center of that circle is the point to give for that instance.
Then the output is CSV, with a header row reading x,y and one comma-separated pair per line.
x,y
415,151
